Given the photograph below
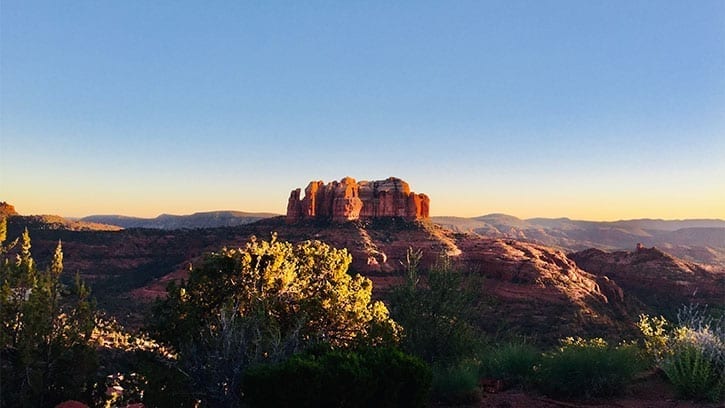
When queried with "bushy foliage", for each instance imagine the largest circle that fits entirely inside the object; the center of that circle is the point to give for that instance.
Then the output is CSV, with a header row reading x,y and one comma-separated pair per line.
x,y
691,353
437,312
264,303
693,374
513,363
44,332
380,377
136,369
587,368
456,384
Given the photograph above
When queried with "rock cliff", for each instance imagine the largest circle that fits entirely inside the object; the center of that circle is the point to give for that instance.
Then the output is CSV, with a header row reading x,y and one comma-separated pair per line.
x,y
348,200
658,279
7,210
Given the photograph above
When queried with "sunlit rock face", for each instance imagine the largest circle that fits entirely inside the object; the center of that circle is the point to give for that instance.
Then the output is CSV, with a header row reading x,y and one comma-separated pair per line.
x,y
7,210
348,200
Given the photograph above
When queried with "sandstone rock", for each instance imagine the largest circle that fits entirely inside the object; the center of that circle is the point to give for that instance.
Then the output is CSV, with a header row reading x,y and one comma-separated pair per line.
x,y
657,278
348,200
7,210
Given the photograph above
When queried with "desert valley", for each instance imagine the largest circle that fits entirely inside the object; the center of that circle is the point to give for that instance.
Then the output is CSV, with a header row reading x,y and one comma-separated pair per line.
x,y
537,279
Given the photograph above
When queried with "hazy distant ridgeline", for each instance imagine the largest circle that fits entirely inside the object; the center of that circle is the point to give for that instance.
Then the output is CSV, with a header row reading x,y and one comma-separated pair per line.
x,y
696,240
211,219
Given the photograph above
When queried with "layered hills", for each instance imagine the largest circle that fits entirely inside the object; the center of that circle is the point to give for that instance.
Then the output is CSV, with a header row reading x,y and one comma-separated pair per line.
x,y
657,278
701,241
530,284
530,289
209,219
50,222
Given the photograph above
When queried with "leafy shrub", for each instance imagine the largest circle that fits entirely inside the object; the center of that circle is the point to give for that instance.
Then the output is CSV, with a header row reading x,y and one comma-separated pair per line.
x,y
437,313
262,304
45,327
456,384
513,363
691,354
656,337
693,374
146,371
379,376
587,368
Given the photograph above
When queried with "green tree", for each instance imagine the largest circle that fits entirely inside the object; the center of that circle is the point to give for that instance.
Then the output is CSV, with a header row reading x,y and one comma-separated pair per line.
x,y
262,303
437,312
56,265
43,334
3,229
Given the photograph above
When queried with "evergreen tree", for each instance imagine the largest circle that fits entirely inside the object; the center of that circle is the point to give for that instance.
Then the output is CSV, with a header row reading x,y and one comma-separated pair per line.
x,y
3,229
44,346
24,261
56,266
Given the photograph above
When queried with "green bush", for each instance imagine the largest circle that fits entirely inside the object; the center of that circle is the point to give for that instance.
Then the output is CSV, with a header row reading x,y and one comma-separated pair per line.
x,y
457,384
587,368
379,376
693,374
691,353
264,303
45,328
437,312
513,363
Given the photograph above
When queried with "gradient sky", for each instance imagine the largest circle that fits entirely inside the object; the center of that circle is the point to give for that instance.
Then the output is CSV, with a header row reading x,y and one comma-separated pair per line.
x,y
585,109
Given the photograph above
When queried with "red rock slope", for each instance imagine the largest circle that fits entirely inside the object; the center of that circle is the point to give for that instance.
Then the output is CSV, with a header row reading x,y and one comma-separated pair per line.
x,y
657,278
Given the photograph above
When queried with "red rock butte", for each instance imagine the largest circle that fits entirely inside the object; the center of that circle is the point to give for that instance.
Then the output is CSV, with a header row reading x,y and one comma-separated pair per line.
x,y
349,200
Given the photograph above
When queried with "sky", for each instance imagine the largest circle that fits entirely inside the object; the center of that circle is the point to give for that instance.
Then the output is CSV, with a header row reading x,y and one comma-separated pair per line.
x,y
598,110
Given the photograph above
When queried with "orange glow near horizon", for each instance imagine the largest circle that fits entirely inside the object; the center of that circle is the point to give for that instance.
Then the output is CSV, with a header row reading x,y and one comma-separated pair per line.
x,y
591,208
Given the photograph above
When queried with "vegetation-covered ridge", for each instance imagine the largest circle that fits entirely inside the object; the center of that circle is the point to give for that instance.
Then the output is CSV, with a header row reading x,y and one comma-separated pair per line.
x,y
274,323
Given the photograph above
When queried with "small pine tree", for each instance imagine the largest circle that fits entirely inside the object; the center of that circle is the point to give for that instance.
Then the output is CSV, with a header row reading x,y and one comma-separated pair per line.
x,y
56,266
44,349
3,229
25,262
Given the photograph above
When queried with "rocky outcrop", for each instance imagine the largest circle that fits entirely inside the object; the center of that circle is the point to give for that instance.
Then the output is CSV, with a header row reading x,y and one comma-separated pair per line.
x,y
348,200
539,290
7,210
656,277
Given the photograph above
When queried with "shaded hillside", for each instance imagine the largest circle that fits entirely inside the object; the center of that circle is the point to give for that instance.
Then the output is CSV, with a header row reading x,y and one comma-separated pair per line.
x,y
701,241
538,291
657,278
211,219
48,222
56,222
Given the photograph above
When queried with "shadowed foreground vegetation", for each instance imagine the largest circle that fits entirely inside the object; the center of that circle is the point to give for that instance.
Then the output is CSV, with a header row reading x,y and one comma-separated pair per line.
x,y
281,324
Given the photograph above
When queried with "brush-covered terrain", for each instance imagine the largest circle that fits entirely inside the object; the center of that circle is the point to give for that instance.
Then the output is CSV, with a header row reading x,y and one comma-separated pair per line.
x,y
452,316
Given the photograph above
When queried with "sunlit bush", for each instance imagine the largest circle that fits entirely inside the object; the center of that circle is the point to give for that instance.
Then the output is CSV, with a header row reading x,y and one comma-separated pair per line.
x,y
45,328
691,353
263,303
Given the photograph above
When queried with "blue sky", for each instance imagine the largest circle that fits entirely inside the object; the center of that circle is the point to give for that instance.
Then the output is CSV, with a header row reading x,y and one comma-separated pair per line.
x,y
586,109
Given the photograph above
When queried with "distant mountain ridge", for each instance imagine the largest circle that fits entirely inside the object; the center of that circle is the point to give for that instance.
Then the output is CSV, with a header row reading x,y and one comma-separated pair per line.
x,y
698,240
209,219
